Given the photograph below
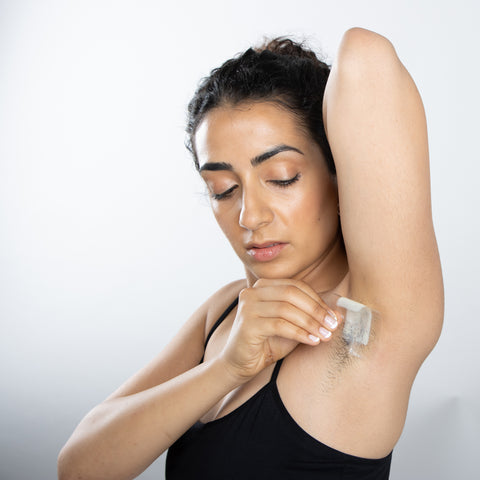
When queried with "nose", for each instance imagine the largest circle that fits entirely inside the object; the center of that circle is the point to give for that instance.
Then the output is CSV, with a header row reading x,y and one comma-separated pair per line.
x,y
255,211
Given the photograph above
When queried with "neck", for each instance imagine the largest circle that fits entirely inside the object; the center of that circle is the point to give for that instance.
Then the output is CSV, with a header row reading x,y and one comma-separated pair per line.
x,y
329,270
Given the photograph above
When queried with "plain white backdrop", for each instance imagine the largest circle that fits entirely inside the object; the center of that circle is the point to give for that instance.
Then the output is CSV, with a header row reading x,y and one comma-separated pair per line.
x,y
107,242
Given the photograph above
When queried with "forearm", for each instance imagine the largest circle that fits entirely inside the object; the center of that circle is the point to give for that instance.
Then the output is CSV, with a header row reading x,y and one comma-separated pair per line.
x,y
119,438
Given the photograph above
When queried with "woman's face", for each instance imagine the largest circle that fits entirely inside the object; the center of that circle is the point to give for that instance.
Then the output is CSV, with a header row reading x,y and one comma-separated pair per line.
x,y
270,189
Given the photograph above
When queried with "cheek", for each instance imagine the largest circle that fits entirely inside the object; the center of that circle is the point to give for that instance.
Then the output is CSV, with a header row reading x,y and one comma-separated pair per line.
x,y
227,219
318,204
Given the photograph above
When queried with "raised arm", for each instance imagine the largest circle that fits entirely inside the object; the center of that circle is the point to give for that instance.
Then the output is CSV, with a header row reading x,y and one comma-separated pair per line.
x,y
376,128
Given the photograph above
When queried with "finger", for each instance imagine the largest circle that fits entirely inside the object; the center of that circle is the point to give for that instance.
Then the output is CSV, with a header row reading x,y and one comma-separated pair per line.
x,y
301,285
294,315
291,294
279,327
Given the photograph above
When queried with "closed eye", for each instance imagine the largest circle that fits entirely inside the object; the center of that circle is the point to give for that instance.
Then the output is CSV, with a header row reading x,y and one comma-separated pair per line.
x,y
225,194
279,183
285,183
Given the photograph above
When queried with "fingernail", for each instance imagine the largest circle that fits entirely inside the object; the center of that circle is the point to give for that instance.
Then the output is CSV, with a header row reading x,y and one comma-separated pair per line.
x,y
331,322
313,338
324,332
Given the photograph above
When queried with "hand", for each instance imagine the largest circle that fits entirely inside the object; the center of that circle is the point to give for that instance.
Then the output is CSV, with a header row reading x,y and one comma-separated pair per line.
x,y
273,317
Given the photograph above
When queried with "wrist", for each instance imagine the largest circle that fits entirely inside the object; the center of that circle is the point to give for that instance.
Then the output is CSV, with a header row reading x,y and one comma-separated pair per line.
x,y
231,376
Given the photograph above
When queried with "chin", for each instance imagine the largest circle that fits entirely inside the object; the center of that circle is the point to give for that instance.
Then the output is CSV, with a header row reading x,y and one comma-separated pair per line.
x,y
271,270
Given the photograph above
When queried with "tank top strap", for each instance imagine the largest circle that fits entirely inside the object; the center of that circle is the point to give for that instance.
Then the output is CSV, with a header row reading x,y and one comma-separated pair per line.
x,y
222,317
276,370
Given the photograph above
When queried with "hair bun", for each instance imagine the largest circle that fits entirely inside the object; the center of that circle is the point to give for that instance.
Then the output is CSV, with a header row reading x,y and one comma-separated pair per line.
x,y
281,71
286,46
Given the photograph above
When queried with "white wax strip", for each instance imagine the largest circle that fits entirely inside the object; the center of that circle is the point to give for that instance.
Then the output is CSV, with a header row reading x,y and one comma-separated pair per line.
x,y
358,322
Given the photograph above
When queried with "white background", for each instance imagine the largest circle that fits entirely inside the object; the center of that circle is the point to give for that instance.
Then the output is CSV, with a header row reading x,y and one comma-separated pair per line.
x,y
107,243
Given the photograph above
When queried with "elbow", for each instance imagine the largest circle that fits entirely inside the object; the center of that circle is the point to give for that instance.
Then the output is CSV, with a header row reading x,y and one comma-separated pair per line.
x,y
359,42
357,36
363,52
64,470
68,466
79,457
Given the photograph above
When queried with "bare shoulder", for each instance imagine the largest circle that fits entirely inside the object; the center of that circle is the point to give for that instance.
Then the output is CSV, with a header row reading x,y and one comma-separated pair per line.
x,y
220,300
185,349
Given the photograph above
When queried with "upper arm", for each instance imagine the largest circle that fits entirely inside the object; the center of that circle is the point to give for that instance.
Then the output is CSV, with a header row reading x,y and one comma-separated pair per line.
x,y
186,349
376,128
182,353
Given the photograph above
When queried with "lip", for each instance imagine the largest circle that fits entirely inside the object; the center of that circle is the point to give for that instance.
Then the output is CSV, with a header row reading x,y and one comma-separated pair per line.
x,y
264,252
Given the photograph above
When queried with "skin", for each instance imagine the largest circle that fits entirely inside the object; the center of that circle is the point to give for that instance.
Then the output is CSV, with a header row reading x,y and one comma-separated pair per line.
x,y
302,214
290,197
376,128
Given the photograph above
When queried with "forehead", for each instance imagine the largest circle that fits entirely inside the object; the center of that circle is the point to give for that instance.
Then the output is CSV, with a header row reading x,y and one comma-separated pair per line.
x,y
230,132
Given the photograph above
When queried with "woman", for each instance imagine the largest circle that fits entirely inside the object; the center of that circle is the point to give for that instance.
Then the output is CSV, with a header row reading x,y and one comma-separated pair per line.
x,y
259,383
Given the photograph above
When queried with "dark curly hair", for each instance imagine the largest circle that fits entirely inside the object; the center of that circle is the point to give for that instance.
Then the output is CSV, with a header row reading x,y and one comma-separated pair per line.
x,y
280,71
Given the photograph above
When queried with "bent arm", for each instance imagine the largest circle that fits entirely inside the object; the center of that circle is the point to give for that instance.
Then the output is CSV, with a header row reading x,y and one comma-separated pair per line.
x,y
376,128
123,435
126,433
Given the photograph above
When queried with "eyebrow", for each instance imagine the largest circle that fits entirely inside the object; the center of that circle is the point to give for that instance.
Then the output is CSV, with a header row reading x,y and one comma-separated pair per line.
x,y
255,161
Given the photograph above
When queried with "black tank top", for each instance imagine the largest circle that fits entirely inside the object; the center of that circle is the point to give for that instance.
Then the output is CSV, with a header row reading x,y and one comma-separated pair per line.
x,y
260,440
